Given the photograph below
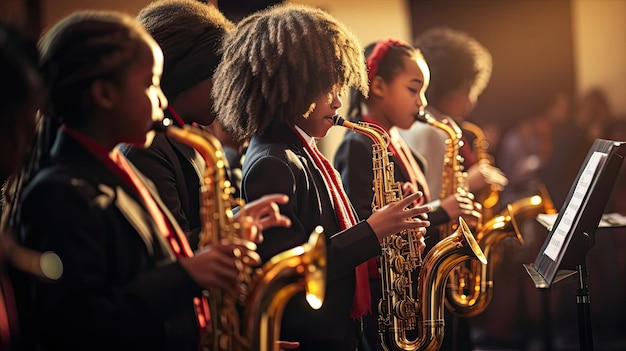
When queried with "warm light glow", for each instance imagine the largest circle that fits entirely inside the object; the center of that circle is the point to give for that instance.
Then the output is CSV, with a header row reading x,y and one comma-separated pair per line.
x,y
298,250
535,200
51,265
314,301
498,225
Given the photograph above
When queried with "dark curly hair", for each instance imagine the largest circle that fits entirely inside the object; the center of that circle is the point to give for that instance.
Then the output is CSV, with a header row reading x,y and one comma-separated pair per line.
x,y
455,60
277,62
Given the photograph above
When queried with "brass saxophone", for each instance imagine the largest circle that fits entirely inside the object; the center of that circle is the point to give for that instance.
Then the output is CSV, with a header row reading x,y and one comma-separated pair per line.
x,y
504,225
489,198
269,288
470,286
403,312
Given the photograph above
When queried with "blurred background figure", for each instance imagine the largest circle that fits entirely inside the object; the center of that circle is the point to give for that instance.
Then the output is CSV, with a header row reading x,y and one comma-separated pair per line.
x,y
21,92
526,148
571,142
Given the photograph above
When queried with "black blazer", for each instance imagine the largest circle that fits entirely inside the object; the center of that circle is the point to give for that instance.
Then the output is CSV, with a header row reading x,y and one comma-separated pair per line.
x,y
176,171
278,162
122,288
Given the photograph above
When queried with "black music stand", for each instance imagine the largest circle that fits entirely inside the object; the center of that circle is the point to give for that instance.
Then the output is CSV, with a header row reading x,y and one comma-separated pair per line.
x,y
563,254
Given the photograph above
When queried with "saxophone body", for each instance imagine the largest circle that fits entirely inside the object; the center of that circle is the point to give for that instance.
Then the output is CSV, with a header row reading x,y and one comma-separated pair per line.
x,y
470,285
489,198
268,289
504,225
410,311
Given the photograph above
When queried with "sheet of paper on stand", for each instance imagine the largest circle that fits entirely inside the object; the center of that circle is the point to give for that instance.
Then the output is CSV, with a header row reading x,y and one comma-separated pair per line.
x,y
609,220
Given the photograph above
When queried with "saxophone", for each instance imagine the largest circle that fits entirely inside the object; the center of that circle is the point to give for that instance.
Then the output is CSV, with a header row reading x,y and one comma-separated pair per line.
x,y
269,288
470,286
489,198
408,320
504,225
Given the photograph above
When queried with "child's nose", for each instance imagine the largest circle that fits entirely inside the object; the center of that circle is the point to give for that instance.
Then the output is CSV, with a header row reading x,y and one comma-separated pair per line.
x,y
336,103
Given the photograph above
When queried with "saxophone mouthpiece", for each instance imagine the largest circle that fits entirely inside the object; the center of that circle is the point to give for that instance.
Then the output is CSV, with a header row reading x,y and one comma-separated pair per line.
x,y
338,120
161,125
421,117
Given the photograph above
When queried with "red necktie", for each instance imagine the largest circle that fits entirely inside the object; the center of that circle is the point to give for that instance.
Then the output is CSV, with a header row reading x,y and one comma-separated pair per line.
x,y
362,299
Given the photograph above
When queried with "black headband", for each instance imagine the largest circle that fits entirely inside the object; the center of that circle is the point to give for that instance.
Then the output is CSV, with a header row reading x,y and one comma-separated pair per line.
x,y
196,65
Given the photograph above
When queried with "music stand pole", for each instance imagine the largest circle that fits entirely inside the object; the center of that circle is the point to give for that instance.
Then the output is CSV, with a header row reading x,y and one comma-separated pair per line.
x,y
583,302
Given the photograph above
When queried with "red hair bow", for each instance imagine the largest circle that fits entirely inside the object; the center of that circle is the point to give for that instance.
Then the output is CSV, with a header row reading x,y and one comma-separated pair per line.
x,y
378,53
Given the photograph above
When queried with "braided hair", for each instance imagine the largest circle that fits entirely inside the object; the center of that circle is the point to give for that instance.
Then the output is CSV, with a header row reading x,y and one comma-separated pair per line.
x,y
80,49
455,60
277,62
20,94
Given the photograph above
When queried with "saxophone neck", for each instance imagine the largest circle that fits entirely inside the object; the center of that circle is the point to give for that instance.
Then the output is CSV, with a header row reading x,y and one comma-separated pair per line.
x,y
375,132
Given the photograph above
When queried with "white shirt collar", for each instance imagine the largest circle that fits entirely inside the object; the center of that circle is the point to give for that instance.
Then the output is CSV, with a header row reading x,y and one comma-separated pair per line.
x,y
309,139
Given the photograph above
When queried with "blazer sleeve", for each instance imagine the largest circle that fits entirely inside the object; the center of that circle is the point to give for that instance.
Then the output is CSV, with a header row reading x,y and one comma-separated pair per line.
x,y
345,249
110,291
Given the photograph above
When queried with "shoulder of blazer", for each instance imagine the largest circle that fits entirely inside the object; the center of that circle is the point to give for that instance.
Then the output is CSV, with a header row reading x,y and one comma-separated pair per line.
x,y
100,194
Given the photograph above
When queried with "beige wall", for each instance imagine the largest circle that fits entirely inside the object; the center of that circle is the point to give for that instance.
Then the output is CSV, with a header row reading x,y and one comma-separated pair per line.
x,y
369,20
599,32
600,48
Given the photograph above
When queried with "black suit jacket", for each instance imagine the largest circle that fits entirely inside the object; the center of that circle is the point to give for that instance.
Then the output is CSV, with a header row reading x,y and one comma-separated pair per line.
x,y
176,171
278,162
122,288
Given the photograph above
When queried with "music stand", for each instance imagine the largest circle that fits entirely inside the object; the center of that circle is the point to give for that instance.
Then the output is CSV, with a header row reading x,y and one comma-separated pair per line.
x,y
563,254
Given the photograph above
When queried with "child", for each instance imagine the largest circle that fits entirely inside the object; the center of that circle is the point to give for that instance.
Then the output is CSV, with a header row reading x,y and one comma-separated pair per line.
x,y
21,91
460,70
190,34
129,278
398,79
281,78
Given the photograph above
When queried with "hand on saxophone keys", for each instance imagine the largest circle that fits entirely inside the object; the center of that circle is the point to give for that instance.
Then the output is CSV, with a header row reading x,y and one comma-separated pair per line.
x,y
462,204
399,216
262,214
221,265
484,174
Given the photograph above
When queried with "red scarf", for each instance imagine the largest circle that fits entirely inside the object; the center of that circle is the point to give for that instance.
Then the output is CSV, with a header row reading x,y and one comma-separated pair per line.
x,y
343,210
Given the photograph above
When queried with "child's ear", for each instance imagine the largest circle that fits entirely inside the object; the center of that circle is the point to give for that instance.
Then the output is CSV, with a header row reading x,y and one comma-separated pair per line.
x,y
103,93
377,87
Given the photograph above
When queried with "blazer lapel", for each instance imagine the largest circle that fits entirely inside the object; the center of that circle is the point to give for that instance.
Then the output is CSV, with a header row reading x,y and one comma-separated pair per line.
x,y
191,155
168,215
